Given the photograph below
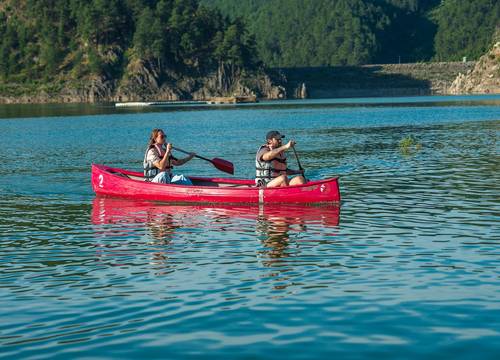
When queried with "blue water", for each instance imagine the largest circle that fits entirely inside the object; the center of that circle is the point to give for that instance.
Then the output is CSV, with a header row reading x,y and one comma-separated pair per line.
x,y
406,267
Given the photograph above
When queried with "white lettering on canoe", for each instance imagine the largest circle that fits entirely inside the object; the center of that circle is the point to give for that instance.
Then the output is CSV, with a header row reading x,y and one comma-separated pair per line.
x,y
261,196
101,180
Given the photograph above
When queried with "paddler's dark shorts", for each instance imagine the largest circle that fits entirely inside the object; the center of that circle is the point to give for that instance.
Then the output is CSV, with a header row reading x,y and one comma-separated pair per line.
x,y
262,182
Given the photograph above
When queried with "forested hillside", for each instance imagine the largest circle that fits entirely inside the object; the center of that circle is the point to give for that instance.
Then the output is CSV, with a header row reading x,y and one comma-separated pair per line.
x,y
465,28
79,39
129,50
348,32
42,39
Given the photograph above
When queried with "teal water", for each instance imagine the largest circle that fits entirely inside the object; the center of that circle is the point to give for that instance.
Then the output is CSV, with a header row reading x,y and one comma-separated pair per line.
x,y
406,267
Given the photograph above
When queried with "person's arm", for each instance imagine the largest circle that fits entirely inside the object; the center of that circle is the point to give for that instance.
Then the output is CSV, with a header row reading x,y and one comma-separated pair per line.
x,y
162,163
179,162
271,154
294,172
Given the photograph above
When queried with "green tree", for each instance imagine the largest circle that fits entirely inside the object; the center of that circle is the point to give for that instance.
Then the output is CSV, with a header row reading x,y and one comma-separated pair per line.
x,y
104,22
465,28
149,40
45,40
4,50
235,46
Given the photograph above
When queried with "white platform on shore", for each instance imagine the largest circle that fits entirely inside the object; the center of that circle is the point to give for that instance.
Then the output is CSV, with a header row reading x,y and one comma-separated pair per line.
x,y
158,103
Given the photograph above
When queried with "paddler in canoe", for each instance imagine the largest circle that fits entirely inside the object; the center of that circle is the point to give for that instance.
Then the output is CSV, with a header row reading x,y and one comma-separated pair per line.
x,y
270,163
159,161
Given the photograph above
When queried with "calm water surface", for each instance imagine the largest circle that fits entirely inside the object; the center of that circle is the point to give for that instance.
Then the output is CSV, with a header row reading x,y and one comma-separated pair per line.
x,y
407,267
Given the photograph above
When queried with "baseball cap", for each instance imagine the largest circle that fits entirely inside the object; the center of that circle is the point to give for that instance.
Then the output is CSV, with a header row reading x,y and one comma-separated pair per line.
x,y
274,135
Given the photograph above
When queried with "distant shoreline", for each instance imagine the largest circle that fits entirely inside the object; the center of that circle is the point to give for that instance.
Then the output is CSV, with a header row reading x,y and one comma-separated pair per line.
x,y
379,80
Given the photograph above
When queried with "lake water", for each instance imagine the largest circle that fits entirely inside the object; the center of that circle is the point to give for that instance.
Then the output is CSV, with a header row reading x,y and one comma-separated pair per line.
x,y
407,267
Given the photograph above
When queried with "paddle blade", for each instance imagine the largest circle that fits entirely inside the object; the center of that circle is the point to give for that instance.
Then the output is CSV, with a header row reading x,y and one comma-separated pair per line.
x,y
223,165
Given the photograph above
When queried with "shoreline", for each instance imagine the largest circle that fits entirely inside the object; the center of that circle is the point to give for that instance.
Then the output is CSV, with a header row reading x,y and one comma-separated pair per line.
x,y
376,80
12,111
410,98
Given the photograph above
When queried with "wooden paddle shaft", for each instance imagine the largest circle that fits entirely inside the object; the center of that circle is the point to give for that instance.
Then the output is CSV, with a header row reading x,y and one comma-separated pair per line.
x,y
187,152
221,164
297,157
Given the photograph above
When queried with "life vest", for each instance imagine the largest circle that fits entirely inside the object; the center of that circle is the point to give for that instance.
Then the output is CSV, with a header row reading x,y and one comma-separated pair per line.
x,y
150,170
267,170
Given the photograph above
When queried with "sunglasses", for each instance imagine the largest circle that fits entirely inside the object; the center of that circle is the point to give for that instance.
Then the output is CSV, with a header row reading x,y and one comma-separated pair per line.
x,y
162,136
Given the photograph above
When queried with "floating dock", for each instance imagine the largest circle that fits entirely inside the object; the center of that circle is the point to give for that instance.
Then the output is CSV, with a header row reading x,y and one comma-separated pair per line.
x,y
232,100
212,101
158,103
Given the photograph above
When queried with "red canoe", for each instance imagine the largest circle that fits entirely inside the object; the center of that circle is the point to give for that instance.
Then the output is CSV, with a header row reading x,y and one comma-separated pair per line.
x,y
130,184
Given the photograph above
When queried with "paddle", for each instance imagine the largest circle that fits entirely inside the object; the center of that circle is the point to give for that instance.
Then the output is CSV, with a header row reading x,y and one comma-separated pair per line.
x,y
221,164
298,162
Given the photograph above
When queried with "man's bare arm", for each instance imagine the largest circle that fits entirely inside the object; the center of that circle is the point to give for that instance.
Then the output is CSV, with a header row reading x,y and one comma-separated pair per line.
x,y
271,154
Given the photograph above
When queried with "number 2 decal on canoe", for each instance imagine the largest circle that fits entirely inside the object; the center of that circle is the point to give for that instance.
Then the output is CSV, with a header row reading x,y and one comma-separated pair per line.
x,y
101,180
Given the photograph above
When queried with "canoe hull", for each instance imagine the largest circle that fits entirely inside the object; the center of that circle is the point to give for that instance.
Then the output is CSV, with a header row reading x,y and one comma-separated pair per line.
x,y
129,184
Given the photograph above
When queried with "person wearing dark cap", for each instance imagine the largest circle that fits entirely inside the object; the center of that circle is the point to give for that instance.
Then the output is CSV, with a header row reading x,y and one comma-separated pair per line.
x,y
270,163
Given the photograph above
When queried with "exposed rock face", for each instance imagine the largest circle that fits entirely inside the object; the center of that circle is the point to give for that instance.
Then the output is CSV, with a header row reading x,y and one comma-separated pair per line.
x,y
301,91
94,90
227,81
144,82
484,78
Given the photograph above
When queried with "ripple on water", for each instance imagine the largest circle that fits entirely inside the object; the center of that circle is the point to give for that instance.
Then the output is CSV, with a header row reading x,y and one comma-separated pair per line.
x,y
408,265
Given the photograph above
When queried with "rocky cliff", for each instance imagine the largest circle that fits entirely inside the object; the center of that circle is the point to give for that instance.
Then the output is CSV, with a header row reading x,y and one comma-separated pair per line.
x,y
143,81
484,78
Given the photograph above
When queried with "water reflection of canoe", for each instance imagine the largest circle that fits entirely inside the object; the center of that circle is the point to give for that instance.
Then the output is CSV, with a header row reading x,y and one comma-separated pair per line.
x,y
277,228
129,184
107,210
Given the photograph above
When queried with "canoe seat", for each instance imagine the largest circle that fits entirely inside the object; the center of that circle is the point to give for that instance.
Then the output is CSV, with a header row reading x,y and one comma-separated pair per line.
x,y
140,178
233,185
216,184
120,174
